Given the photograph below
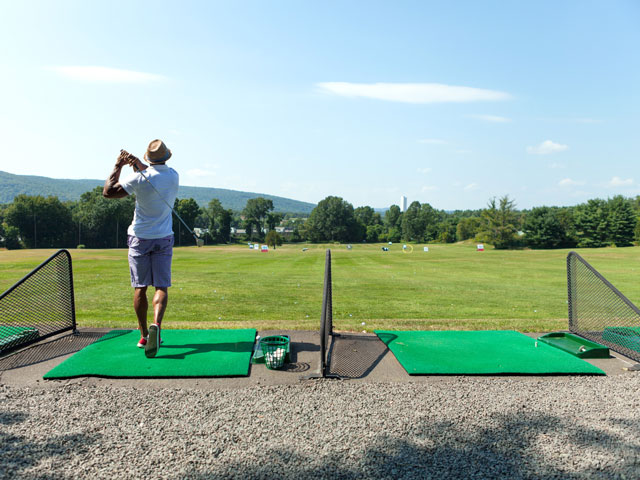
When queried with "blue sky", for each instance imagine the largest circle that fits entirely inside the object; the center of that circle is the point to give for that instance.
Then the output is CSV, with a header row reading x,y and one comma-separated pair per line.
x,y
449,103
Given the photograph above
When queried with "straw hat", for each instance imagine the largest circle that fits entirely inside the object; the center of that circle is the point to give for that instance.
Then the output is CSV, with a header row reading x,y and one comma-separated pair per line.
x,y
157,152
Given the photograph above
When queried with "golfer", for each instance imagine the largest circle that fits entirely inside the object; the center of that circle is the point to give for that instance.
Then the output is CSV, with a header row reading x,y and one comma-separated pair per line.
x,y
150,235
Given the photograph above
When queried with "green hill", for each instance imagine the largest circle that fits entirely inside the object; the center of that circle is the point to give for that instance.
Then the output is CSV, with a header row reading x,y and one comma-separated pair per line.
x,y
12,185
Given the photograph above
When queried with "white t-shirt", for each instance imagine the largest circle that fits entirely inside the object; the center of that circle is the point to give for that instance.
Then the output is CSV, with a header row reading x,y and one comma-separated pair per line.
x,y
152,217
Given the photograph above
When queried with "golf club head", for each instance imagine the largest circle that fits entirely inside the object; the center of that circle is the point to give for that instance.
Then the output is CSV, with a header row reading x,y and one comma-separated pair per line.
x,y
199,242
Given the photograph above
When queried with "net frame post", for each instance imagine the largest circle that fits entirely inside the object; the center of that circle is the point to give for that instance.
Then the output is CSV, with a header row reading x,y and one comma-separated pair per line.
x,y
570,290
65,284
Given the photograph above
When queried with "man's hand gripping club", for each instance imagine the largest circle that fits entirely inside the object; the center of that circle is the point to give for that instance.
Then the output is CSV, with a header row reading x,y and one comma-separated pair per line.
x,y
126,158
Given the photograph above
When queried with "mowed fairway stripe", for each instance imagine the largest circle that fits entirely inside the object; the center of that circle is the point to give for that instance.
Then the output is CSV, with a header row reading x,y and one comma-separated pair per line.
x,y
523,290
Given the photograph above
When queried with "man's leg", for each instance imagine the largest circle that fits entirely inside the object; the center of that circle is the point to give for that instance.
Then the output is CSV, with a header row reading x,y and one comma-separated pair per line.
x,y
141,305
160,300
161,255
159,306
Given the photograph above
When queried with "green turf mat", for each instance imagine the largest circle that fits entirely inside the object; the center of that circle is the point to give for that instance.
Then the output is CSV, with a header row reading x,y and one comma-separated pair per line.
x,y
184,353
487,352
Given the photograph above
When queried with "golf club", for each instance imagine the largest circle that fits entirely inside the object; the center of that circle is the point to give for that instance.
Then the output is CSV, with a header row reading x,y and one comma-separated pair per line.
x,y
132,160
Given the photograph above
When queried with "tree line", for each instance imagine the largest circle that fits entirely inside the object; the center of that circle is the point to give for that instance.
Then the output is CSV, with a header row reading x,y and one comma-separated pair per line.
x,y
596,223
95,222
33,221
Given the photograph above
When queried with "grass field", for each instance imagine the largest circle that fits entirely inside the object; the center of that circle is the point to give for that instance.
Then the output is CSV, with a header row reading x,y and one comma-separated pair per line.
x,y
449,287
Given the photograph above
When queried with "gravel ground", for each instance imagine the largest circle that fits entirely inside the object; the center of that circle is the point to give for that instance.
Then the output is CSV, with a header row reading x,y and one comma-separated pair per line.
x,y
456,427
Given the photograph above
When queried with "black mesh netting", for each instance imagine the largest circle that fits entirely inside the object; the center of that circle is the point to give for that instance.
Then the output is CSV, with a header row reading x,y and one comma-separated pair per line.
x,y
599,312
38,306
326,318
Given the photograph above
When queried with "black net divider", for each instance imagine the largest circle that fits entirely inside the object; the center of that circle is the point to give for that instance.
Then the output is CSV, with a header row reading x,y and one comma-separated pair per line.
x,y
326,318
40,305
598,311
326,323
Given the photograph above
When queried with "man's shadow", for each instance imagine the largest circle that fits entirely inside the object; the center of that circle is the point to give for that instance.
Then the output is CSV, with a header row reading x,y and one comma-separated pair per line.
x,y
203,348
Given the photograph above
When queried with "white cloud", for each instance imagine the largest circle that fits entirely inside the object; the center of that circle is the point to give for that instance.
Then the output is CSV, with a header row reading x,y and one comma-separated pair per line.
x,y
413,92
106,74
491,118
471,186
557,165
424,170
429,188
432,141
567,182
547,147
617,182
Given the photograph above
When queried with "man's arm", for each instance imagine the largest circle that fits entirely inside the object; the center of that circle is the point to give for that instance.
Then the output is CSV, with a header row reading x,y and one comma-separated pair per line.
x,y
113,189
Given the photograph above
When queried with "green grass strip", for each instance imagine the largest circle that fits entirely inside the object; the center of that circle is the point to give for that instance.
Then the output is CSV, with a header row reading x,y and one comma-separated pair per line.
x,y
184,353
479,353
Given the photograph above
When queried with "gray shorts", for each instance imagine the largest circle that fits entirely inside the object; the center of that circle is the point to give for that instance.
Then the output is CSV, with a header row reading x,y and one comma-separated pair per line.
x,y
150,261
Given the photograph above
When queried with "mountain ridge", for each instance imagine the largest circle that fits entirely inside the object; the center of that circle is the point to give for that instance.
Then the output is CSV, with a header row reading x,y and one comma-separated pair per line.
x,y
71,189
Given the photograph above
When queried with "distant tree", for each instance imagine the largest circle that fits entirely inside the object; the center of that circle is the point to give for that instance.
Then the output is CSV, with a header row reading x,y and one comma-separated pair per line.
x,y
500,223
332,220
100,222
219,221
592,223
430,218
367,216
393,217
622,221
188,209
544,227
10,237
394,235
273,219
374,233
273,239
41,222
468,228
446,231
296,235
412,224
255,215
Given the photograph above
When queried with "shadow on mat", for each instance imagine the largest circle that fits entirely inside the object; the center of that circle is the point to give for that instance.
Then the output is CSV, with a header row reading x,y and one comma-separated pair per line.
x,y
113,334
387,338
201,348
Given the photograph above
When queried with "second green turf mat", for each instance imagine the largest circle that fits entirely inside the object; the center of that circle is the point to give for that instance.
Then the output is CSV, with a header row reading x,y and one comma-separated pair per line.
x,y
184,353
487,352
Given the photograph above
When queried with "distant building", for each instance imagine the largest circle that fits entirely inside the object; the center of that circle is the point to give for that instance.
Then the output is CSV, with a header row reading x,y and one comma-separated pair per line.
x,y
403,203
